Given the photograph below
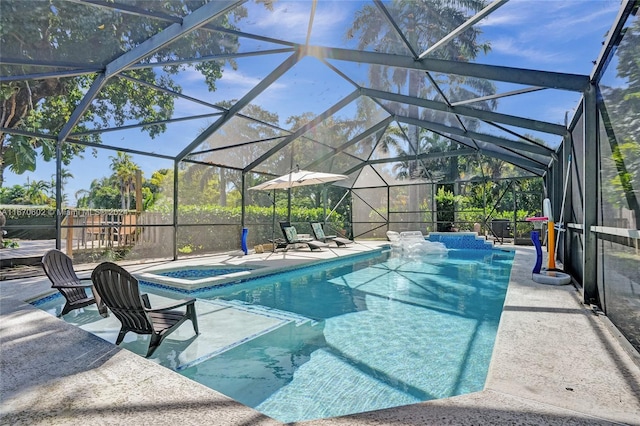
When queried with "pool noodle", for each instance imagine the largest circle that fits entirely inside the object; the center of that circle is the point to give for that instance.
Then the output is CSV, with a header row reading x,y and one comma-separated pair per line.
x,y
537,219
551,243
535,238
245,232
551,240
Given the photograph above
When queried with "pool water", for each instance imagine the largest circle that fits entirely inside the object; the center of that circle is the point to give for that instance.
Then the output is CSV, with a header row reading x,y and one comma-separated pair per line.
x,y
347,336
199,273
384,332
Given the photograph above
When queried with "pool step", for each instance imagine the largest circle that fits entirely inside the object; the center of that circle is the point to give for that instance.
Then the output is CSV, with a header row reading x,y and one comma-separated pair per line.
x,y
267,311
460,240
277,320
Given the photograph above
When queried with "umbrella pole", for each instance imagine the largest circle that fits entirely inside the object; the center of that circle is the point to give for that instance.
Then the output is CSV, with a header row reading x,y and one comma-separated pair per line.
x,y
273,224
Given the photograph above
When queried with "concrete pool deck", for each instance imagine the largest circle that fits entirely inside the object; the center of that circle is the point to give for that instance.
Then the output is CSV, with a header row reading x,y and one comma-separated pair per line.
x,y
555,361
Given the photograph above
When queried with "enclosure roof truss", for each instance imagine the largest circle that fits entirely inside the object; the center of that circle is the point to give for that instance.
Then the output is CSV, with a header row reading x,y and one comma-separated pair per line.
x,y
508,138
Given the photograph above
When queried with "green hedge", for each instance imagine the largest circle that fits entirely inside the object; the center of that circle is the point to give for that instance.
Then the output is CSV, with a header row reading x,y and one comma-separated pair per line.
x,y
210,228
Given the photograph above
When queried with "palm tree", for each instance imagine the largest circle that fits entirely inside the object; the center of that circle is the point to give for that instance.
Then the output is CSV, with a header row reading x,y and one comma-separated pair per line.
x,y
125,171
36,192
102,194
82,197
424,24
244,130
65,175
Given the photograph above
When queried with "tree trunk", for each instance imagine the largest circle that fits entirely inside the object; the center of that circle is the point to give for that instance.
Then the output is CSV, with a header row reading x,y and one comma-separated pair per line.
x,y
16,108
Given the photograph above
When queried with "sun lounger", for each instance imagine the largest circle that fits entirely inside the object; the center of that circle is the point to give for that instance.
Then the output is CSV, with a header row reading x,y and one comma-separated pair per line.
x,y
291,236
318,233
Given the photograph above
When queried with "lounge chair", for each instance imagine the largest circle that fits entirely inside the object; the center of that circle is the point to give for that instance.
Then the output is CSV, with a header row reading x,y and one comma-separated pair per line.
x,y
291,237
279,243
59,268
318,233
120,292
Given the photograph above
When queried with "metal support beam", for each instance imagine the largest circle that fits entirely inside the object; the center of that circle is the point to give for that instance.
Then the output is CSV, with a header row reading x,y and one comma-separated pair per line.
x,y
526,123
528,165
246,99
498,96
613,36
553,80
314,5
82,107
468,24
190,23
58,194
302,130
46,75
144,124
244,200
175,209
505,143
370,131
521,162
423,156
567,149
590,191
392,22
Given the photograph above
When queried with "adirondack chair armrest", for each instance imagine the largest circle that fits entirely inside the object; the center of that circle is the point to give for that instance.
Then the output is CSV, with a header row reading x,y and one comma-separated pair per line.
x,y
180,303
72,285
145,301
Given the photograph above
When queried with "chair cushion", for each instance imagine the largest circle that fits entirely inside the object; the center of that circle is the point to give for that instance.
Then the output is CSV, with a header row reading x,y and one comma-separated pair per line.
x,y
318,231
291,233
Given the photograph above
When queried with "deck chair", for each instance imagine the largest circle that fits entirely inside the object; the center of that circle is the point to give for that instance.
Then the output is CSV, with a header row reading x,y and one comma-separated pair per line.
x,y
59,269
318,233
120,292
291,237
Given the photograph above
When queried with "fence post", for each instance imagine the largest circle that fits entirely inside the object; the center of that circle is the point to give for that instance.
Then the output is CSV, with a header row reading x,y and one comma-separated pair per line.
x,y
70,235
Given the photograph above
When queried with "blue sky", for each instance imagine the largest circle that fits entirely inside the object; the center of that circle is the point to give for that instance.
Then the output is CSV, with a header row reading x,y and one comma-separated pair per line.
x,y
562,36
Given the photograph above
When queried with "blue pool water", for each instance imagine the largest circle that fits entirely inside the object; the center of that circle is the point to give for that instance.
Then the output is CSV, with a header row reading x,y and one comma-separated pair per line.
x,y
338,338
383,332
199,273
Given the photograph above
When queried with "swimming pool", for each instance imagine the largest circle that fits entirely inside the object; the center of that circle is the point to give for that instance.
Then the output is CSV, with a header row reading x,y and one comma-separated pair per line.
x,y
347,337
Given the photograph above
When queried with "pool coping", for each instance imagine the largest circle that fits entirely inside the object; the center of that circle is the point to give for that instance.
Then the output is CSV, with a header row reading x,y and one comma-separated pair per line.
x,y
555,362
192,287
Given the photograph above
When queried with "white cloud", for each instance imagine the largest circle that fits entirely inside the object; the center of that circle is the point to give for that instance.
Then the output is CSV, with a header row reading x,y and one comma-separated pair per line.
x,y
232,81
571,26
514,48
563,33
235,78
558,20
504,18
289,20
330,23
190,75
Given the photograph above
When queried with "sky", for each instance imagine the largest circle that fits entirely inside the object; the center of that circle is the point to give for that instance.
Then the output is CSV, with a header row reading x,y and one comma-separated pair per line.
x,y
550,35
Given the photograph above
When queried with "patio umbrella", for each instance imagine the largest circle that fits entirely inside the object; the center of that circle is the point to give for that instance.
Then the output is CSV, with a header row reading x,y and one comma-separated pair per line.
x,y
291,180
298,178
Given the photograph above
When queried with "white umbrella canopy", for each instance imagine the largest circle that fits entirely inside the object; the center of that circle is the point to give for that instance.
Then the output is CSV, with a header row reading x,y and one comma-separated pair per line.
x,y
294,179
298,178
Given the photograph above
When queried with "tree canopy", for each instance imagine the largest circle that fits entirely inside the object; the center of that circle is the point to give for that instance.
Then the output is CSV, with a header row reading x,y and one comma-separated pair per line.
x,y
65,37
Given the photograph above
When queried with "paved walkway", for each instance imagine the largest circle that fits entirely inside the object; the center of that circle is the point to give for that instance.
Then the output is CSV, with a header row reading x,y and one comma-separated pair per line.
x,y
555,362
